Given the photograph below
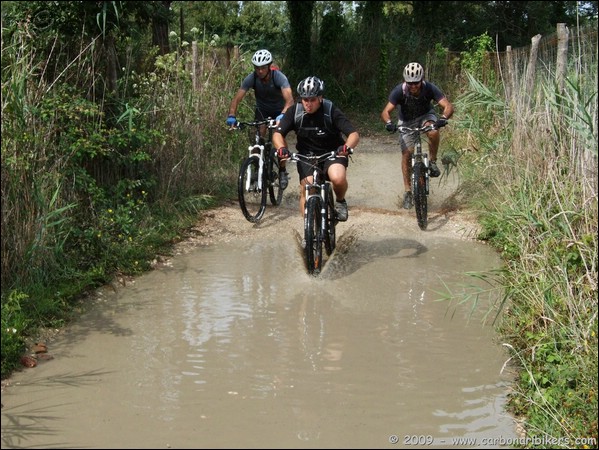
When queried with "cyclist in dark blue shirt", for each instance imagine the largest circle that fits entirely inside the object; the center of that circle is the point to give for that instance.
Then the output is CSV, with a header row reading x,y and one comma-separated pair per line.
x,y
414,102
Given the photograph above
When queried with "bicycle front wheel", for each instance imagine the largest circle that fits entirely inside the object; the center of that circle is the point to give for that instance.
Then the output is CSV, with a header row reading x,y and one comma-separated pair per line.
x,y
312,235
331,222
274,186
420,194
252,196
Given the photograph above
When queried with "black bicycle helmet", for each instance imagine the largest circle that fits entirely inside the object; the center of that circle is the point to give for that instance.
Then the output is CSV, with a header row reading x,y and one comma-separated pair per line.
x,y
413,73
310,87
261,58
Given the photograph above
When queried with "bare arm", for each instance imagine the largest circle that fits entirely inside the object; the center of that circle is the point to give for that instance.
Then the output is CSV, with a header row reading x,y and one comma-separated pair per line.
x,y
447,107
278,140
288,96
386,113
235,102
353,139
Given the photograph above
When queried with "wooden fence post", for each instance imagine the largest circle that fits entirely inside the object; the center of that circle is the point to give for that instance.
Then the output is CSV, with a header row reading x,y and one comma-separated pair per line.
x,y
532,65
562,55
510,81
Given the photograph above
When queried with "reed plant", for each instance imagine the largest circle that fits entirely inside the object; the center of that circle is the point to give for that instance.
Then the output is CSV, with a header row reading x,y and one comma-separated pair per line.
x,y
96,187
532,177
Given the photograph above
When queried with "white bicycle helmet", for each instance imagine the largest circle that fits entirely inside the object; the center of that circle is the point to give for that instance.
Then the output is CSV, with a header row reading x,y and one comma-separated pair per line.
x,y
310,87
413,73
261,58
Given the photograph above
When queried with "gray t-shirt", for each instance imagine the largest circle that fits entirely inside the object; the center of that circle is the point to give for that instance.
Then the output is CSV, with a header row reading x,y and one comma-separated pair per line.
x,y
269,98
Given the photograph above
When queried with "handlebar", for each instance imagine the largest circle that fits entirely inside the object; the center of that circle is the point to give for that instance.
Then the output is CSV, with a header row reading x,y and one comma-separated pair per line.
x,y
425,129
270,123
317,158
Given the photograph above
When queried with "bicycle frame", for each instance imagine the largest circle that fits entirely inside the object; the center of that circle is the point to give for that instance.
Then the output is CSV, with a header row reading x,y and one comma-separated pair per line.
x,y
419,173
320,218
256,150
259,172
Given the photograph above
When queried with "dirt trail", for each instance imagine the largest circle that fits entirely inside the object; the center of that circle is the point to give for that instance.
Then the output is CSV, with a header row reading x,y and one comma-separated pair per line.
x,y
374,198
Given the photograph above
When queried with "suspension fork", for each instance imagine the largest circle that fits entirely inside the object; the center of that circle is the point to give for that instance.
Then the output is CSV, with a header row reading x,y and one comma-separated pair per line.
x,y
323,207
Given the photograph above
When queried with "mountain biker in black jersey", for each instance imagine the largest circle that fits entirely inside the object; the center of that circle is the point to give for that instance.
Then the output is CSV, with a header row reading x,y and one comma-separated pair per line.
x,y
318,134
273,96
413,99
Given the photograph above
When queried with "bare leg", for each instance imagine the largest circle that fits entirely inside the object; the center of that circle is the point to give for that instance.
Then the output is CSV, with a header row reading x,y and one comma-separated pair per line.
x,y
302,202
337,175
433,143
406,160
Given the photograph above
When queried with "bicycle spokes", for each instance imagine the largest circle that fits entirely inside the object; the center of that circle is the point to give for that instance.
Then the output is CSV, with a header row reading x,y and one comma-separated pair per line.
x,y
257,172
252,197
419,189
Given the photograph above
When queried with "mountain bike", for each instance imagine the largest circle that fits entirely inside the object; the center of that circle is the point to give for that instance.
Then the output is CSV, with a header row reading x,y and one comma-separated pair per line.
x,y
419,173
259,172
320,217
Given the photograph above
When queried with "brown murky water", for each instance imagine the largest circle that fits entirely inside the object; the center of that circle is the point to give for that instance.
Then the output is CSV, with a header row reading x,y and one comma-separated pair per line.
x,y
232,345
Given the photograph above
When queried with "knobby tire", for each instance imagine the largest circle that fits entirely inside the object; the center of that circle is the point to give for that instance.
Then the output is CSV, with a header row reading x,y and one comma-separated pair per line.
x,y
312,235
331,222
274,186
420,194
251,201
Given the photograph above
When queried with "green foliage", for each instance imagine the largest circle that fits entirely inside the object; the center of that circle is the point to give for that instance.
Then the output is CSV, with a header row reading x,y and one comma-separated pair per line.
x,y
524,171
475,61
90,189
98,178
250,25
14,325
577,100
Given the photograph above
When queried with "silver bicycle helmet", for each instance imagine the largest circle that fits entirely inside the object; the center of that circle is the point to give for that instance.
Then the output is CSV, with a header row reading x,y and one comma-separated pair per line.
x,y
261,58
310,87
413,73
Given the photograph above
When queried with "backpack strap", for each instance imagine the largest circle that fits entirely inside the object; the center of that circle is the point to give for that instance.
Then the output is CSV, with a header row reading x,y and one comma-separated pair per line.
x,y
299,115
404,88
328,117
271,75
327,106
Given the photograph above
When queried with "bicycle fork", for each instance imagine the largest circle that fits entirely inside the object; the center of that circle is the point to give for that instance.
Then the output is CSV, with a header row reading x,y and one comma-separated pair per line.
x,y
256,151
320,195
423,157
323,209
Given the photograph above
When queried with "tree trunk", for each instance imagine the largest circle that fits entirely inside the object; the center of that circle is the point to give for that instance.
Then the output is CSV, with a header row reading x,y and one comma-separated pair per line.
x,y
300,22
160,30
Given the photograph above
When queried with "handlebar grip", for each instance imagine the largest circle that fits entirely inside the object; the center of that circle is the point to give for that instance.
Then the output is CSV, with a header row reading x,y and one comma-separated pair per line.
x,y
347,150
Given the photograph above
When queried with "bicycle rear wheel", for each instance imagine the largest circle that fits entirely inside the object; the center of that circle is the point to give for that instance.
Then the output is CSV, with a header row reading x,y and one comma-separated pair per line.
x,y
312,235
331,221
274,186
252,199
420,194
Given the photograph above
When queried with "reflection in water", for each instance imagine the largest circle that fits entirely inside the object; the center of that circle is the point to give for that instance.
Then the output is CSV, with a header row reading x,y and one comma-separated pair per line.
x,y
226,351
336,359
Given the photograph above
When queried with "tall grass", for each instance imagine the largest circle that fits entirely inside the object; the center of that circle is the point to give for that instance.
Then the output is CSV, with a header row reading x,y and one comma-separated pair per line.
x,y
96,187
537,202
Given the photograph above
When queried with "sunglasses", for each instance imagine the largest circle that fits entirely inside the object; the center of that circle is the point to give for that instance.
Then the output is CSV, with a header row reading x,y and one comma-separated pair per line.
x,y
413,83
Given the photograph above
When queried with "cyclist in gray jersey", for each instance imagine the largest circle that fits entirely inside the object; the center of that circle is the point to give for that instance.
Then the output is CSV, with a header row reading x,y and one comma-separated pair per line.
x,y
272,92
413,100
